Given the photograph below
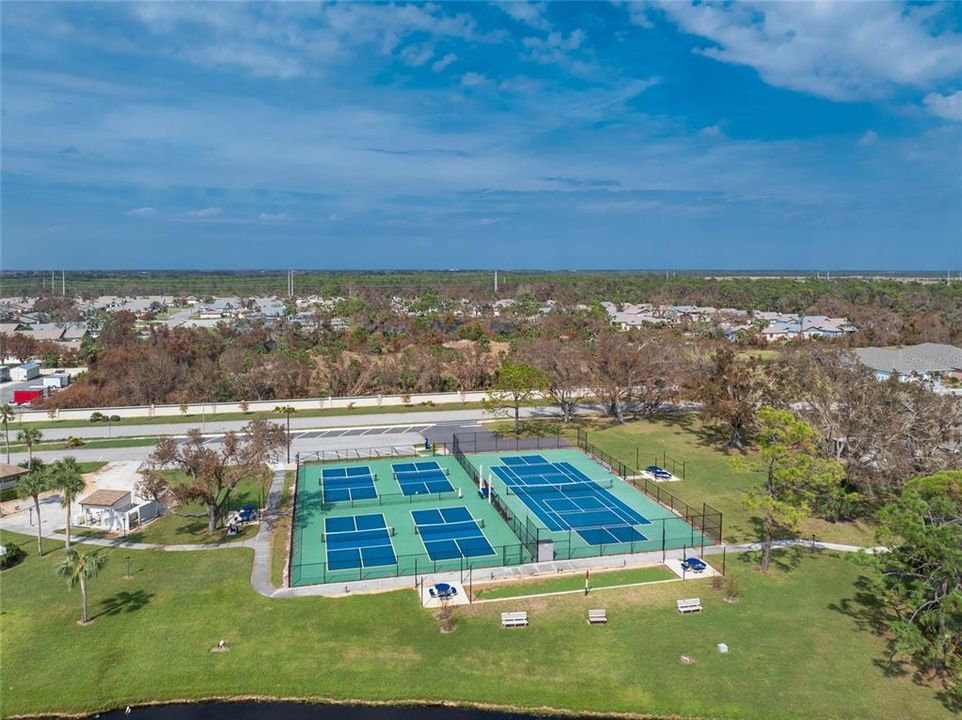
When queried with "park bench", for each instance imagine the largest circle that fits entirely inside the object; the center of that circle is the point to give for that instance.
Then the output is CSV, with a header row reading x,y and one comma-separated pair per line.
x,y
514,619
689,605
597,617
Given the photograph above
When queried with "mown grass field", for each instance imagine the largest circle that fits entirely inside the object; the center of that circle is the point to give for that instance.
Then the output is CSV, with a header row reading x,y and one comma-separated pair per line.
x,y
574,582
709,475
797,647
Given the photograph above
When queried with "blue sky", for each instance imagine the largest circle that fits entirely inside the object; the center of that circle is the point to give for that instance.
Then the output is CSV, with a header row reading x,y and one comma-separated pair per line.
x,y
559,135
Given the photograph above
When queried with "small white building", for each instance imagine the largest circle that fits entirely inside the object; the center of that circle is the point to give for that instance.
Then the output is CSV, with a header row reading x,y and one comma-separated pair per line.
x,y
115,511
27,371
56,380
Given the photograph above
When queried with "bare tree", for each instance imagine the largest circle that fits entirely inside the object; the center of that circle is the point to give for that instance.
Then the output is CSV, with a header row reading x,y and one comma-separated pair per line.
x,y
617,367
565,367
884,432
731,390
214,471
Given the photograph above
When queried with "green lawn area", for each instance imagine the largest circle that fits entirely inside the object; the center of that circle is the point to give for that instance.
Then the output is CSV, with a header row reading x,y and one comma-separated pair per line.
x,y
709,476
574,582
797,645
88,444
282,529
174,529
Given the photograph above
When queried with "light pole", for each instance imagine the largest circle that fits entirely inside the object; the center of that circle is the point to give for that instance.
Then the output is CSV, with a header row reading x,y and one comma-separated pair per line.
x,y
287,410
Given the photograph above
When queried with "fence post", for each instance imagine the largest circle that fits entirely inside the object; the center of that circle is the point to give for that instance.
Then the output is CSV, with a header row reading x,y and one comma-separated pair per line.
x,y
724,558
663,555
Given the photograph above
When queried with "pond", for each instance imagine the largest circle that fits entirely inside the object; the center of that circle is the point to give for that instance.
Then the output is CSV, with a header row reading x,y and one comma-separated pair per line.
x,y
300,711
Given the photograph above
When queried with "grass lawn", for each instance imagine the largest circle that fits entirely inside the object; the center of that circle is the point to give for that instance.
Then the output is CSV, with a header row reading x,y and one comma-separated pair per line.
x,y
88,444
709,474
573,582
282,529
798,649
174,529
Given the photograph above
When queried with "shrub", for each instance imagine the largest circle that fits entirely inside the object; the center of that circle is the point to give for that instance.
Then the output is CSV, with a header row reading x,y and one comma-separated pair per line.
x,y
115,418
74,442
11,555
97,417
733,588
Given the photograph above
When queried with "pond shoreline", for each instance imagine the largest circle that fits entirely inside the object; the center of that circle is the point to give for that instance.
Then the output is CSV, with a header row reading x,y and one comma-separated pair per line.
x,y
256,707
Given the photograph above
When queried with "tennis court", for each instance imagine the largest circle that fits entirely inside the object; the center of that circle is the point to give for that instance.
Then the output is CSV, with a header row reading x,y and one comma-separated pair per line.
x,y
421,478
335,541
564,498
347,483
450,533
393,517
358,541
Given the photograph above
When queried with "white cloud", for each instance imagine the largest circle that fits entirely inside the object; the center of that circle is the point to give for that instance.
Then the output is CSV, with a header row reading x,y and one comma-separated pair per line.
x,y
490,221
558,49
948,107
207,212
529,13
258,62
439,65
141,212
473,79
556,40
272,217
712,131
416,55
837,50
868,139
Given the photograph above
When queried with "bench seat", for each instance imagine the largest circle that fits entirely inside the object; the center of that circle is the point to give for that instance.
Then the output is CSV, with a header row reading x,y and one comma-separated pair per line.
x,y
514,619
689,605
597,617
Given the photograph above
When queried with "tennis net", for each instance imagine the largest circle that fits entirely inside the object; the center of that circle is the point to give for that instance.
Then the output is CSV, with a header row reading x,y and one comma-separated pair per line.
x,y
415,475
353,536
459,529
560,488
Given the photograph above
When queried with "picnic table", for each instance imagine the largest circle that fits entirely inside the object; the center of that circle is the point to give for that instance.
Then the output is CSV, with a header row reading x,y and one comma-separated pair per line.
x,y
443,591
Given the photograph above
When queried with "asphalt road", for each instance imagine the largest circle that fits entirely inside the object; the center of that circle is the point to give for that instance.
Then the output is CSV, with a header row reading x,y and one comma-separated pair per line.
x,y
308,440
360,419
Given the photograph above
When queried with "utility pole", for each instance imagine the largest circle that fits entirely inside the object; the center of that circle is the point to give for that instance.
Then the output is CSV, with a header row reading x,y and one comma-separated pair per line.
x,y
63,282
495,282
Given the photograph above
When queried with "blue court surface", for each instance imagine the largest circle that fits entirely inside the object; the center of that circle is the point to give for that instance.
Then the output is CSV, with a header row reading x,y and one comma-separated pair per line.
x,y
451,533
421,478
358,541
564,498
346,484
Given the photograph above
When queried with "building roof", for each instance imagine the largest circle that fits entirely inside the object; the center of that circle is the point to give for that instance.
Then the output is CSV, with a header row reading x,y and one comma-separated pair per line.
x,y
54,333
11,471
105,498
924,358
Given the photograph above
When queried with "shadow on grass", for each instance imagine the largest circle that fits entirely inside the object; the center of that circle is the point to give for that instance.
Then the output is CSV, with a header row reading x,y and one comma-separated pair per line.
x,y
783,560
870,614
124,601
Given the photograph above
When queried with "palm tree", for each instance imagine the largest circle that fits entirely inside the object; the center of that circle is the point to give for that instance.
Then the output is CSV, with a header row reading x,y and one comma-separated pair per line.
x,y
30,486
67,478
29,436
6,415
77,569
287,410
